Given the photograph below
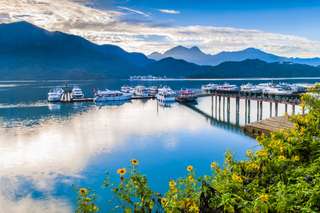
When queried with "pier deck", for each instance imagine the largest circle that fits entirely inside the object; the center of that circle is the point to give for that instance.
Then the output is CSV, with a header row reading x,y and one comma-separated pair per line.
x,y
268,125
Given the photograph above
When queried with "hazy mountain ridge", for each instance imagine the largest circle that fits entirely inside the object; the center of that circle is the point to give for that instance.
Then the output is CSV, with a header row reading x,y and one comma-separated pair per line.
x,y
31,53
195,55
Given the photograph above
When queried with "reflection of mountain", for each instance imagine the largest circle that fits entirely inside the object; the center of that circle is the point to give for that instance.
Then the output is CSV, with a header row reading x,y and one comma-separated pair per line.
x,y
195,55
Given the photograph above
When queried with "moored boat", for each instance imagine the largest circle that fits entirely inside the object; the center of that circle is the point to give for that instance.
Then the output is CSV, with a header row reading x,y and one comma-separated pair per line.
x,y
166,94
111,95
77,93
186,95
227,87
54,95
141,91
209,87
127,89
250,88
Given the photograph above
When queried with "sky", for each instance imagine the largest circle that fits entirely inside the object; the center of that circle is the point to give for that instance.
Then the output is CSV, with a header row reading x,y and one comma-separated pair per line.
x,y
283,27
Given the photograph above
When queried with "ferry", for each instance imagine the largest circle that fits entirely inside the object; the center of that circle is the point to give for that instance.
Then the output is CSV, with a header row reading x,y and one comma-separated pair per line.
x,y
141,91
186,95
166,94
111,95
209,87
227,87
76,93
250,88
54,95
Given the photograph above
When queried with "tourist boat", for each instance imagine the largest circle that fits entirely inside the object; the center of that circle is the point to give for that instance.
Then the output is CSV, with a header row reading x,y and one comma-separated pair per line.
x,y
250,88
186,95
76,93
209,87
152,91
141,91
227,87
166,94
127,89
111,95
54,95
273,89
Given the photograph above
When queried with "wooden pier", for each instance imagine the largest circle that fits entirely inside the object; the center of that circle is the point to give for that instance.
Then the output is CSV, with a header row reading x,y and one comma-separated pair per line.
x,y
267,126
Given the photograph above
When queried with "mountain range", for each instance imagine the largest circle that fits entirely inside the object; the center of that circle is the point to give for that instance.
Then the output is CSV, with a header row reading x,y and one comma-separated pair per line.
x,y
195,55
31,53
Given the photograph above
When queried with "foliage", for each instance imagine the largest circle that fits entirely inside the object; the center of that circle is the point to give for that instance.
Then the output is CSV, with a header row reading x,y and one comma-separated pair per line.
x,y
283,176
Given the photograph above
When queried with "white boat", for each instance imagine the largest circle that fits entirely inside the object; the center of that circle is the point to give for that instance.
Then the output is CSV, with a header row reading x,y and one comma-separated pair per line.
x,y
141,91
152,91
209,87
111,95
54,95
76,93
250,88
227,87
127,89
273,89
166,94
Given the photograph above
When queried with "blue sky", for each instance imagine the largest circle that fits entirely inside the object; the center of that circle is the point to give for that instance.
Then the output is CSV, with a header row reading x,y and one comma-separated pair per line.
x,y
297,17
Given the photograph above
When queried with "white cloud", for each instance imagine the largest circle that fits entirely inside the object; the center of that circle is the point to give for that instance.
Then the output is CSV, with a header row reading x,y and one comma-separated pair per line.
x,y
167,11
108,26
134,11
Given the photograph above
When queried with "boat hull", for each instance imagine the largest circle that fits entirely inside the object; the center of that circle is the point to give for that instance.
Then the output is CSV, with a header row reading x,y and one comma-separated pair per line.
x,y
124,97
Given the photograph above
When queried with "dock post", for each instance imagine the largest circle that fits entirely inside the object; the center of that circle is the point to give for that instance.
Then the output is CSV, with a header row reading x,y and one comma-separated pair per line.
x,y
215,103
276,109
249,103
286,109
228,109
237,110
261,109
293,109
245,110
223,108
258,110
211,106
270,109
219,107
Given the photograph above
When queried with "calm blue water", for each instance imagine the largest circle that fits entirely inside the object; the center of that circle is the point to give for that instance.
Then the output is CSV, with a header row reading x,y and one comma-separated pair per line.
x,y
48,149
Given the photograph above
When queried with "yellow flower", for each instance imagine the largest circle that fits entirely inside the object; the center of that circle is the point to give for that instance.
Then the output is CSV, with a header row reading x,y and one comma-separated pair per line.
x,y
262,153
134,162
253,166
214,165
190,178
237,178
282,157
172,184
122,171
189,168
164,202
296,158
83,191
194,209
264,197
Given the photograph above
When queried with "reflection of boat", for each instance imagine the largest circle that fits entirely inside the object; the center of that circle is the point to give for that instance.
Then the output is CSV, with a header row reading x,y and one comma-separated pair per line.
x,y
110,95
209,87
111,103
54,107
186,95
54,95
227,87
76,93
250,88
141,91
166,94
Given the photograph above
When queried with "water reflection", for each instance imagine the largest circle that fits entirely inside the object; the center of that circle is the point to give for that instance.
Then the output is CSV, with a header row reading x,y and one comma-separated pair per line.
x,y
50,156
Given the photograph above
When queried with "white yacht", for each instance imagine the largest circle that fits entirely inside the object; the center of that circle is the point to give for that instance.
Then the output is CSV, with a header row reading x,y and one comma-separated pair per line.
x,y
250,88
111,95
54,95
127,89
209,87
166,94
227,87
76,93
141,91
152,91
273,89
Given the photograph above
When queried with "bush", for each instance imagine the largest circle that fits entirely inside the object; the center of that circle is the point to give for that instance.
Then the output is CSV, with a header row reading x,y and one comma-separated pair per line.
x,y
283,176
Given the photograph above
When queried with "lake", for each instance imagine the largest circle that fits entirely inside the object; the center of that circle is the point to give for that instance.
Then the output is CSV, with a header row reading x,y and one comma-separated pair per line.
x,y
47,150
